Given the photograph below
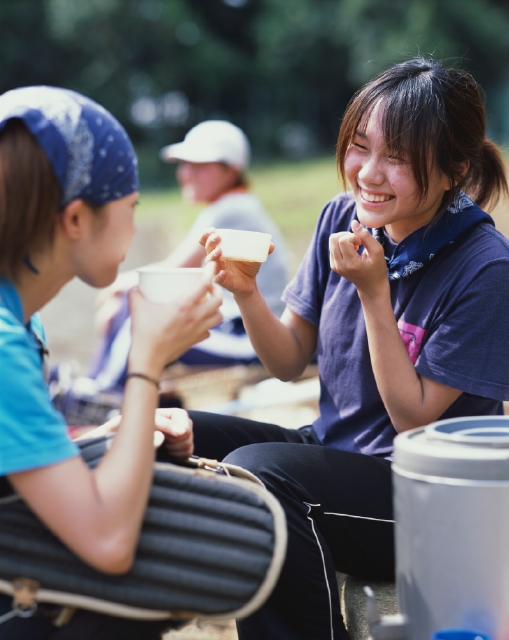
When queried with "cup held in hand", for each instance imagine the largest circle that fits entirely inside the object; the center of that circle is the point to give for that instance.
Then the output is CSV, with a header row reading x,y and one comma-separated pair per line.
x,y
163,284
244,246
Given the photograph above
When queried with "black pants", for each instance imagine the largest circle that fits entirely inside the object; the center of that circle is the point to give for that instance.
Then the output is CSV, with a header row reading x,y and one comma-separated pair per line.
x,y
338,507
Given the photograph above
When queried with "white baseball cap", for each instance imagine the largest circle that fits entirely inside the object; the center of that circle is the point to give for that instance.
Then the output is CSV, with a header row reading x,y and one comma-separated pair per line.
x,y
211,141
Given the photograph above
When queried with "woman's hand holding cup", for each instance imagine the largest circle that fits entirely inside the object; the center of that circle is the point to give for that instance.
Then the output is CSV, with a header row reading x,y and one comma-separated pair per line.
x,y
163,332
234,274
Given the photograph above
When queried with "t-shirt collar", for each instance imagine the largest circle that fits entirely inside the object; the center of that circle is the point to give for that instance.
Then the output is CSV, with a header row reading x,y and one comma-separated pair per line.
x,y
421,246
10,299
229,192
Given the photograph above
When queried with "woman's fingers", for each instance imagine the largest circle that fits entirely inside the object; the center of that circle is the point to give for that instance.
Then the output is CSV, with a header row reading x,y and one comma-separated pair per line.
x,y
177,428
173,421
207,291
364,237
365,268
343,246
205,237
210,271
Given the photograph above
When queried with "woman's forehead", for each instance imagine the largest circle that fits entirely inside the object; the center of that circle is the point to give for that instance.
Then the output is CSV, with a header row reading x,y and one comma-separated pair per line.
x,y
374,109
371,120
382,120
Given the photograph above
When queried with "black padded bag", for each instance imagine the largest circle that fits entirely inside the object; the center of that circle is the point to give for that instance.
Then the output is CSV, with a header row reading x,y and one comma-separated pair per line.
x,y
211,546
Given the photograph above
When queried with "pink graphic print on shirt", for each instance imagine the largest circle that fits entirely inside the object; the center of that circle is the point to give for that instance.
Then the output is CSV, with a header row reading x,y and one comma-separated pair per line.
x,y
412,337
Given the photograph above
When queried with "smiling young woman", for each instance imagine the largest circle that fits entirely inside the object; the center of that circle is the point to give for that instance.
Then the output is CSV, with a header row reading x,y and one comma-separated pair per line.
x,y
383,182
403,296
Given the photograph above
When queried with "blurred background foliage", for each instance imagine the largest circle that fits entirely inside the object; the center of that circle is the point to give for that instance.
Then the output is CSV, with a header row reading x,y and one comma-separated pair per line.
x,y
283,70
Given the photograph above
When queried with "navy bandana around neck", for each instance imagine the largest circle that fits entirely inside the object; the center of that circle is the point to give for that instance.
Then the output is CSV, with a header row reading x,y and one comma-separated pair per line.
x,y
420,247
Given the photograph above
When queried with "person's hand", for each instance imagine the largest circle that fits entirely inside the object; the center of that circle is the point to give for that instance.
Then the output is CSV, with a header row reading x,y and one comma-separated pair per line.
x,y
367,270
175,425
234,275
177,428
162,332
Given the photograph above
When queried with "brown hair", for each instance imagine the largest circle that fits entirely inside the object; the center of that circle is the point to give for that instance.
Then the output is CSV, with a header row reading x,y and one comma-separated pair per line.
x,y
29,197
431,113
241,180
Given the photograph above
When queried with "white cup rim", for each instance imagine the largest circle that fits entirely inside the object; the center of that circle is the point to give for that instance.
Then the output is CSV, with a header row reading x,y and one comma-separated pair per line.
x,y
244,231
170,270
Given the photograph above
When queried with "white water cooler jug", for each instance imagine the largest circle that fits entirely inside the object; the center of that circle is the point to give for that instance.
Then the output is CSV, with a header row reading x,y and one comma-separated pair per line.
x,y
451,500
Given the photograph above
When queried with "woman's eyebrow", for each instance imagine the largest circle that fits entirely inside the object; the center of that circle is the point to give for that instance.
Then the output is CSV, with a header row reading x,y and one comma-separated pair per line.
x,y
361,134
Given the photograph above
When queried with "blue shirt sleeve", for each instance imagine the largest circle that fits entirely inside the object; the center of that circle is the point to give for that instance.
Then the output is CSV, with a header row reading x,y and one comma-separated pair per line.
x,y
32,433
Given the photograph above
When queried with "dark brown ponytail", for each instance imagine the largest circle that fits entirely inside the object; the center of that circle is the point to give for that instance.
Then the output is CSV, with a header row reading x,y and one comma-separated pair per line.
x,y
486,182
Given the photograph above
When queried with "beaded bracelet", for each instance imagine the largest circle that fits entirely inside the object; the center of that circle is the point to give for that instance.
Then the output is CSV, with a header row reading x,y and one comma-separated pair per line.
x,y
143,377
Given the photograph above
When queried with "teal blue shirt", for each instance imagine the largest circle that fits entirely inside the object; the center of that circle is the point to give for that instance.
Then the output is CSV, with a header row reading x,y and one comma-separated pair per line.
x,y
32,433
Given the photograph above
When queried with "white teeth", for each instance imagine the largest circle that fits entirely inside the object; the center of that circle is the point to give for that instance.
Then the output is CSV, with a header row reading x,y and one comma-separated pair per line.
x,y
372,198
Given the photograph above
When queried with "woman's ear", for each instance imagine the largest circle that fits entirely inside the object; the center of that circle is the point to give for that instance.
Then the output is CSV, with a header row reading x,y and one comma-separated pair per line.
x,y
73,219
233,175
463,169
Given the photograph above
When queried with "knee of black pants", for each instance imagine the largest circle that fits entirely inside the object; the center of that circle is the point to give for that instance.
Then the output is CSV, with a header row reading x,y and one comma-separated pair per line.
x,y
273,463
257,458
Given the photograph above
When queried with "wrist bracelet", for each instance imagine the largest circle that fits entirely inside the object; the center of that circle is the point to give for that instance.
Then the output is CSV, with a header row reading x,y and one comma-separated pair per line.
x,y
143,377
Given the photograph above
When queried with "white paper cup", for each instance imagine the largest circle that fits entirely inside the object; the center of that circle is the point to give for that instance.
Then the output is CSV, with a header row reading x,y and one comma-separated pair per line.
x,y
244,246
163,285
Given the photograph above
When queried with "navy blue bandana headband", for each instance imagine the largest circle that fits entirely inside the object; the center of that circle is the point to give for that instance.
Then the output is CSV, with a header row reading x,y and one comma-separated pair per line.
x,y
89,150
420,247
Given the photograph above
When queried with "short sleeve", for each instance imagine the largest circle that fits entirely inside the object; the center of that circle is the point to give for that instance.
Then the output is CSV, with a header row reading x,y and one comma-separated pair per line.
x,y
32,433
469,347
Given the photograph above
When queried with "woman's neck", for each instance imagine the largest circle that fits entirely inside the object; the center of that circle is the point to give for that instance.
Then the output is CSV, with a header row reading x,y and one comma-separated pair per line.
x,y
37,289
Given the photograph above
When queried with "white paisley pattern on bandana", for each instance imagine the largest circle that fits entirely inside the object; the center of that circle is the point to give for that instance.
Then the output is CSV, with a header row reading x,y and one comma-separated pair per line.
x,y
461,201
79,170
89,150
411,267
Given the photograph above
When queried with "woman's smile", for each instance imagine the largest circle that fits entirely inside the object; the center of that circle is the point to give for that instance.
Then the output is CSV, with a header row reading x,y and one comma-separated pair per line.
x,y
374,197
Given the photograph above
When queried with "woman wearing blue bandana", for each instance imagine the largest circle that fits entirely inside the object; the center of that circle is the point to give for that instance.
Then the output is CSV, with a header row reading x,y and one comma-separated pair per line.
x,y
404,295
68,191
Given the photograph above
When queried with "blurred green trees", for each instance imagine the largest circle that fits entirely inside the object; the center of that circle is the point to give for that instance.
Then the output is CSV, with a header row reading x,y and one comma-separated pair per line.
x,y
281,69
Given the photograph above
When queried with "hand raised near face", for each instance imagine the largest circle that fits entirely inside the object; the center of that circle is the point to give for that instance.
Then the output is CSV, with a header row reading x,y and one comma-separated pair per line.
x,y
366,269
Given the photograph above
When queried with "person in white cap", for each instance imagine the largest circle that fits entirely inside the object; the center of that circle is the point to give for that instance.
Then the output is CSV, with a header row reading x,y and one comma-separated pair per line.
x,y
212,161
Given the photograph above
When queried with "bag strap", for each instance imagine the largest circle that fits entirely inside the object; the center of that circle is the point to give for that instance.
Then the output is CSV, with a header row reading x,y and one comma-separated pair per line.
x,y
224,468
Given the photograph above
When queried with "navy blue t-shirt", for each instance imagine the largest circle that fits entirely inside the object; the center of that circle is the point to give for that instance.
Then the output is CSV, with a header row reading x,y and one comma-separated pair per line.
x,y
452,314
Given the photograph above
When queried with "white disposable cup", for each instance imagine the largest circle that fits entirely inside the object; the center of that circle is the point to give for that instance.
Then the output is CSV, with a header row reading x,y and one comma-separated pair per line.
x,y
163,285
244,246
